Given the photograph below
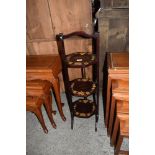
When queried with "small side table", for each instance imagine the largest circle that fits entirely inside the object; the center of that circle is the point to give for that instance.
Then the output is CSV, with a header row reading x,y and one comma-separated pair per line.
x,y
46,67
116,67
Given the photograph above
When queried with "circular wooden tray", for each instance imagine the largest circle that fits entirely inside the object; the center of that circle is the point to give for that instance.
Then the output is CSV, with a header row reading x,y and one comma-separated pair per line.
x,y
82,87
80,59
83,108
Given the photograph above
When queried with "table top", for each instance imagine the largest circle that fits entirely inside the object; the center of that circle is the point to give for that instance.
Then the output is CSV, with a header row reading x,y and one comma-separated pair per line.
x,y
41,61
118,62
43,64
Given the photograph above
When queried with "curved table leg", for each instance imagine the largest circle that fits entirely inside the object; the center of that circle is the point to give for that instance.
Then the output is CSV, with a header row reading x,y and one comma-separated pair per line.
x,y
56,87
48,106
39,115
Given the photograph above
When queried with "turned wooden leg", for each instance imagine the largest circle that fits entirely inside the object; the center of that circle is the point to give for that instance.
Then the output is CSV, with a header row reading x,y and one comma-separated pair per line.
x,y
39,115
115,129
118,145
56,87
48,106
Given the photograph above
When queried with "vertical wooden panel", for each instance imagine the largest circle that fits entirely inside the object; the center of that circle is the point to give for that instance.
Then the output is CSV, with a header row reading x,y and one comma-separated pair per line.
x,y
46,18
29,51
82,45
70,15
120,3
50,47
107,3
118,31
39,48
38,19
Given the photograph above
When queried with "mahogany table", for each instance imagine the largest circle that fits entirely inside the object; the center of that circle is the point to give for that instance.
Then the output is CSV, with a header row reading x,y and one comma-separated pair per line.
x,y
46,67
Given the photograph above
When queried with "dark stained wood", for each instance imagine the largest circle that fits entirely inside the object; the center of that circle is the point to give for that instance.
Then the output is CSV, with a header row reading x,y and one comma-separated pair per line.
x,y
81,86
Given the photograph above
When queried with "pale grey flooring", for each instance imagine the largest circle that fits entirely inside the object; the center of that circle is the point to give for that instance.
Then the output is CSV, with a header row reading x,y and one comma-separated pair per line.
x,y
82,140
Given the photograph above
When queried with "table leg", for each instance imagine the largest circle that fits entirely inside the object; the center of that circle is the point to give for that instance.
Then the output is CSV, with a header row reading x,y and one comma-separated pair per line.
x,y
48,106
115,130
111,117
108,102
56,87
118,145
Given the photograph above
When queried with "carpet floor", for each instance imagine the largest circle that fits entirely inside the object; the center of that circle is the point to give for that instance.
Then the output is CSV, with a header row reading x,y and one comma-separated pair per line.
x,y
82,140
